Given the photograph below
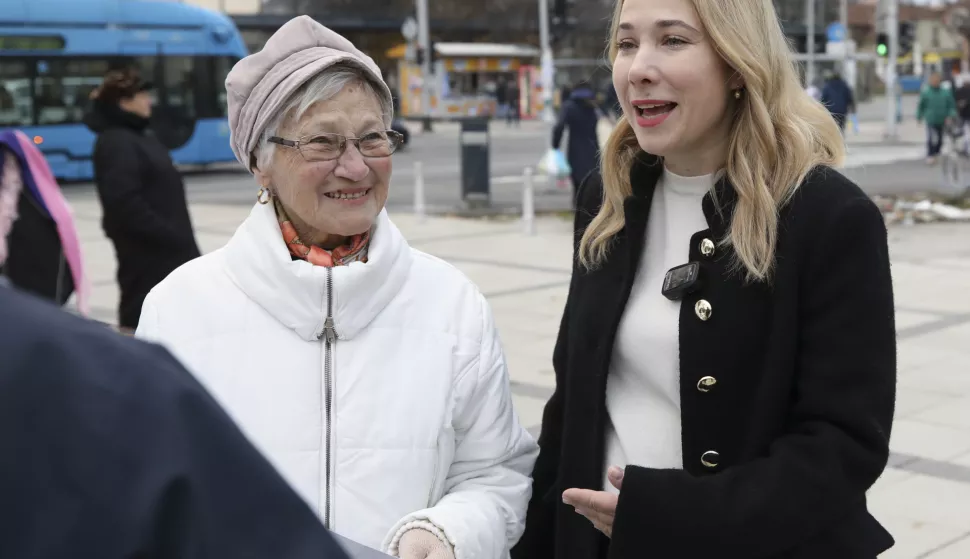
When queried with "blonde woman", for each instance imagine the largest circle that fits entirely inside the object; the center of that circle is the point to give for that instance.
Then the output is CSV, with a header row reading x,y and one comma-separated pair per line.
x,y
726,360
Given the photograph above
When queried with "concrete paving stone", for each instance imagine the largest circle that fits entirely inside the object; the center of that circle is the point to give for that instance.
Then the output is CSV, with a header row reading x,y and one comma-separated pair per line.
x,y
549,301
528,409
948,379
927,499
534,377
954,335
890,476
536,347
954,412
963,460
909,319
490,278
513,324
953,263
945,297
913,538
914,354
935,442
959,549
911,403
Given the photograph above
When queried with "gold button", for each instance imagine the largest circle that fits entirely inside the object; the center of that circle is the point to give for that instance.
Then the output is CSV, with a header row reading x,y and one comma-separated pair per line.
x,y
706,383
703,310
707,247
710,459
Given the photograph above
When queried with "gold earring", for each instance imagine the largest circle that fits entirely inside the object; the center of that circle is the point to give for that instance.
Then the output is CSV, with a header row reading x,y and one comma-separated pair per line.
x,y
263,195
737,93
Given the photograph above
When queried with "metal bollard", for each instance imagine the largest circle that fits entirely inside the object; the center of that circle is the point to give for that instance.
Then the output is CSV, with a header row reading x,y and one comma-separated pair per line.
x,y
528,203
420,210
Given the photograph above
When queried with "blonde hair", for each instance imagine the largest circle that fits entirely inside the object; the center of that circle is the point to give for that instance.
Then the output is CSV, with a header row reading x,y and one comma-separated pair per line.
x,y
778,135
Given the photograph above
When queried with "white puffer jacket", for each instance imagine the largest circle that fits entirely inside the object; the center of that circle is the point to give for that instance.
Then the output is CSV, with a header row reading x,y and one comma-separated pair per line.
x,y
378,390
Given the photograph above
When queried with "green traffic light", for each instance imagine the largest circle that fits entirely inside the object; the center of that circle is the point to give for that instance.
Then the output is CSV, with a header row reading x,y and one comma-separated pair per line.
x,y
882,50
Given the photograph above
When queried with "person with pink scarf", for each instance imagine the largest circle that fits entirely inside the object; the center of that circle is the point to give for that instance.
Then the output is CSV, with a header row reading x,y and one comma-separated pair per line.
x,y
42,254
10,187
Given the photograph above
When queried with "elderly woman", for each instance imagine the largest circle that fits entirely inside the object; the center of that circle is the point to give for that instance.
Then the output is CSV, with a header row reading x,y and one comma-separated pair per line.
x,y
369,373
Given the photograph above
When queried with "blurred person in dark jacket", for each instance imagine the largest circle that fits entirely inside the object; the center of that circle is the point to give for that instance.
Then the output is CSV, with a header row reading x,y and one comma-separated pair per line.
x,y
579,115
146,215
838,99
110,449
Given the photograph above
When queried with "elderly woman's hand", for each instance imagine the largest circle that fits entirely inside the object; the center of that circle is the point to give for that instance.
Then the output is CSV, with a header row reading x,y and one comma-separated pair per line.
x,y
418,543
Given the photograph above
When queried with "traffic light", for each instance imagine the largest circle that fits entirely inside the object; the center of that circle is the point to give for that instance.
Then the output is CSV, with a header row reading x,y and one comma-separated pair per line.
x,y
561,23
907,36
800,42
559,11
882,44
420,54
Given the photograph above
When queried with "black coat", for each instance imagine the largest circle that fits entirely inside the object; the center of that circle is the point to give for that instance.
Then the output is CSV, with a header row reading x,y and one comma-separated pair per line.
x,y
579,115
36,261
110,449
145,212
798,407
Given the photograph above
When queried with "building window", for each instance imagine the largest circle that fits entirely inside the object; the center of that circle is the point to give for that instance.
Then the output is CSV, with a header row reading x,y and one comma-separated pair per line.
x,y
16,98
223,64
177,89
62,88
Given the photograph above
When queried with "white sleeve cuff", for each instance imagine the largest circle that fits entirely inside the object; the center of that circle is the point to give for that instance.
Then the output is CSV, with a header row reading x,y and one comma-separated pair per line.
x,y
427,525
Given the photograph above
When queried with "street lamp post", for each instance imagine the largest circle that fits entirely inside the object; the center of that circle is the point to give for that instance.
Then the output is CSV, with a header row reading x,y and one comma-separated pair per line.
x,y
810,41
892,31
424,43
847,72
548,66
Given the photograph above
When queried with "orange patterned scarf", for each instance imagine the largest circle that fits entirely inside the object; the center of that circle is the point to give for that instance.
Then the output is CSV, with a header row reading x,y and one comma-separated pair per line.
x,y
354,251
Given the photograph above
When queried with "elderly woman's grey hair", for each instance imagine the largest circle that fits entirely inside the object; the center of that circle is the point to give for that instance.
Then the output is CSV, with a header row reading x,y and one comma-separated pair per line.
x,y
322,87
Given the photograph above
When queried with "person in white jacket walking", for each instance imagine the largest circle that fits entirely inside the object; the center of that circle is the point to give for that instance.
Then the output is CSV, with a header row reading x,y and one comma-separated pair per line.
x,y
370,374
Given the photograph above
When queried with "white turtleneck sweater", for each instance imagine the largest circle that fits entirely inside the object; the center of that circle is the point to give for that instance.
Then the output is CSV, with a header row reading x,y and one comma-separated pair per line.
x,y
643,387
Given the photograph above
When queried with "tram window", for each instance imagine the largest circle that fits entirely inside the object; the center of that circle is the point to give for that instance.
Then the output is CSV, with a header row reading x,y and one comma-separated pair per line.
x,y
63,86
177,89
223,64
16,102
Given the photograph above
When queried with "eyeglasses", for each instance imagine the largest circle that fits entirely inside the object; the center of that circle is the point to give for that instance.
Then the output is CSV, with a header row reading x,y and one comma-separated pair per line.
x,y
327,147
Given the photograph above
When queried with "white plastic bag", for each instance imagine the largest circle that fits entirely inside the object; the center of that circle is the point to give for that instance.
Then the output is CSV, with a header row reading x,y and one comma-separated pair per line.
x,y
554,164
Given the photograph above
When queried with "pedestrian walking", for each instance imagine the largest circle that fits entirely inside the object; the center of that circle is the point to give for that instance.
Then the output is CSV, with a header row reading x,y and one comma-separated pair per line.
x,y
145,213
580,116
726,360
936,107
837,97
370,373
514,114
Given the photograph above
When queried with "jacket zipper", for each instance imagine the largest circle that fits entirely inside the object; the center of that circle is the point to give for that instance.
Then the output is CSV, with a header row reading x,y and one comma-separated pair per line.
x,y
434,478
330,335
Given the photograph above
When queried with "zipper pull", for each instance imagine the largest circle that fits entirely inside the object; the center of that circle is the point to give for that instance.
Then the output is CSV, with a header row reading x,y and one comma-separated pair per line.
x,y
329,330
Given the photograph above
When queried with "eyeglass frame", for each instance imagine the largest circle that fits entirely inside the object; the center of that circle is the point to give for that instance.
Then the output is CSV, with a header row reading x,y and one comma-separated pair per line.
x,y
344,140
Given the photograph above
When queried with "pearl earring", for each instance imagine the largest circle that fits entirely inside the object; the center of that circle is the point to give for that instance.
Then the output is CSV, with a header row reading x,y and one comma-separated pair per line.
x,y
737,93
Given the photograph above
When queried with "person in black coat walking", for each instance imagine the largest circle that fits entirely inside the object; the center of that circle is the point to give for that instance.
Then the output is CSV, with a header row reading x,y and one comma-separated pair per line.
x,y
109,448
579,115
146,215
838,99
726,360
